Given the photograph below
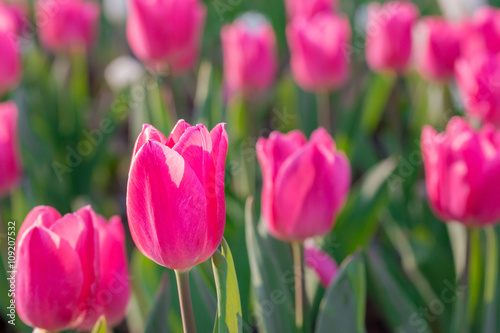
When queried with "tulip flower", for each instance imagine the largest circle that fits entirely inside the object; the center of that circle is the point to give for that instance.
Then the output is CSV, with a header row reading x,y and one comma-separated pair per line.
x,y
113,291
10,160
481,34
57,267
10,60
305,184
175,195
437,48
320,51
308,8
166,33
389,35
67,26
478,80
321,263
461,171
8,21
250,56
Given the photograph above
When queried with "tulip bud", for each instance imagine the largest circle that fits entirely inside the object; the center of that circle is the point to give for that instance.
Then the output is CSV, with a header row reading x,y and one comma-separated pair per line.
x,y
113,291
320,51
67,26
305,184
323,265
478,80
437,48
308,8
57,267
249,49
10,61
10,160
461,172
481,34
388,35
175,196
166,33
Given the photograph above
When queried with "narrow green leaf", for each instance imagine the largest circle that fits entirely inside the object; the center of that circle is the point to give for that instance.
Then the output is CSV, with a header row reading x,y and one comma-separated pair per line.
x,y
100,326
157,320
376,100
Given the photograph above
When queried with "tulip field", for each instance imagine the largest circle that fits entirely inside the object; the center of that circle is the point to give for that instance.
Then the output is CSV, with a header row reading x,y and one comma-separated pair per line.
x,y
274,166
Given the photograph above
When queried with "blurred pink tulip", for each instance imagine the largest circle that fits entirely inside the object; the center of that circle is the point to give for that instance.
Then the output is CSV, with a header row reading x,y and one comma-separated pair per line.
x,y
308,8
14,16
320,51
113,291
389,35
461,169
10,60
305,184
67,26
437,48
323,265
481,34
10,159
478,80
250,56
57,267
175,197
166,33
8,20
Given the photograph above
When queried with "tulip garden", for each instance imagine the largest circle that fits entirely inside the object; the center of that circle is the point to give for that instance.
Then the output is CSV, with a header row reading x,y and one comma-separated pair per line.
x,y
249,166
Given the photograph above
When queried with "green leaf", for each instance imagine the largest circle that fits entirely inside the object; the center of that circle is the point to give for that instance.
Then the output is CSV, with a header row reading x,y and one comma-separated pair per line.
x,y
344,305
100,326
376,100
229,316
157,320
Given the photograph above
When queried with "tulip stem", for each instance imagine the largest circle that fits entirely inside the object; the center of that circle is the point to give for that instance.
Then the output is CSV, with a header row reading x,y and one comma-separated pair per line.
x,y
298,263
324,112
185,301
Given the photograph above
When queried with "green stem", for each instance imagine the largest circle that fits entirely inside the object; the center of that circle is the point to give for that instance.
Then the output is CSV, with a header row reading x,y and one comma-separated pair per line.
x,y
324,112
473,269
298,264
491,269
185,301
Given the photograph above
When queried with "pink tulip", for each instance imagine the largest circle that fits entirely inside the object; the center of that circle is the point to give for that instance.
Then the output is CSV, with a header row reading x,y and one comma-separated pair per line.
x,y
437,48
10,160
461,168
175,197
14,16
67,26
320,51
305,183
389,35
323,265
57,267
250,56
308,8
481,34
166,33
10,60
8,21
478,80
113,291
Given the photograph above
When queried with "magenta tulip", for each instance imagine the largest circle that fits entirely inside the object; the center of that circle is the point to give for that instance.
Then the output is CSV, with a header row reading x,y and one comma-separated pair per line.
x,y
250,55
166,33
67,26
10,160
57,267
320,51
461,171
113,291
437,48
305,184
10,60
481,34
175,196
389,35
478,80
308,8
321,263
8,21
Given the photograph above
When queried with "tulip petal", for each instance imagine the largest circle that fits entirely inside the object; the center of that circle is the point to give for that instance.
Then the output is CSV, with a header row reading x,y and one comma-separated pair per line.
x,y
148,133
177,132
44,215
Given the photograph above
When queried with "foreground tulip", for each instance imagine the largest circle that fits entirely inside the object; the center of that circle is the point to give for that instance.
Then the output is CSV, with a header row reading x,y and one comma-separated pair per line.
x,y
250,56
389,35
166,33
57,267
10,161
481,34
10,61
437,48
305,184
323,265
67,26
113,291
478,80
320,51
308,8
461,171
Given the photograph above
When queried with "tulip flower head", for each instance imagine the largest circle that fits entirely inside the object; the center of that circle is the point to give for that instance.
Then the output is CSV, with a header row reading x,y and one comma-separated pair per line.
x,y
309,8
481,34
461,172
10,59
305,184
10,160
175,196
